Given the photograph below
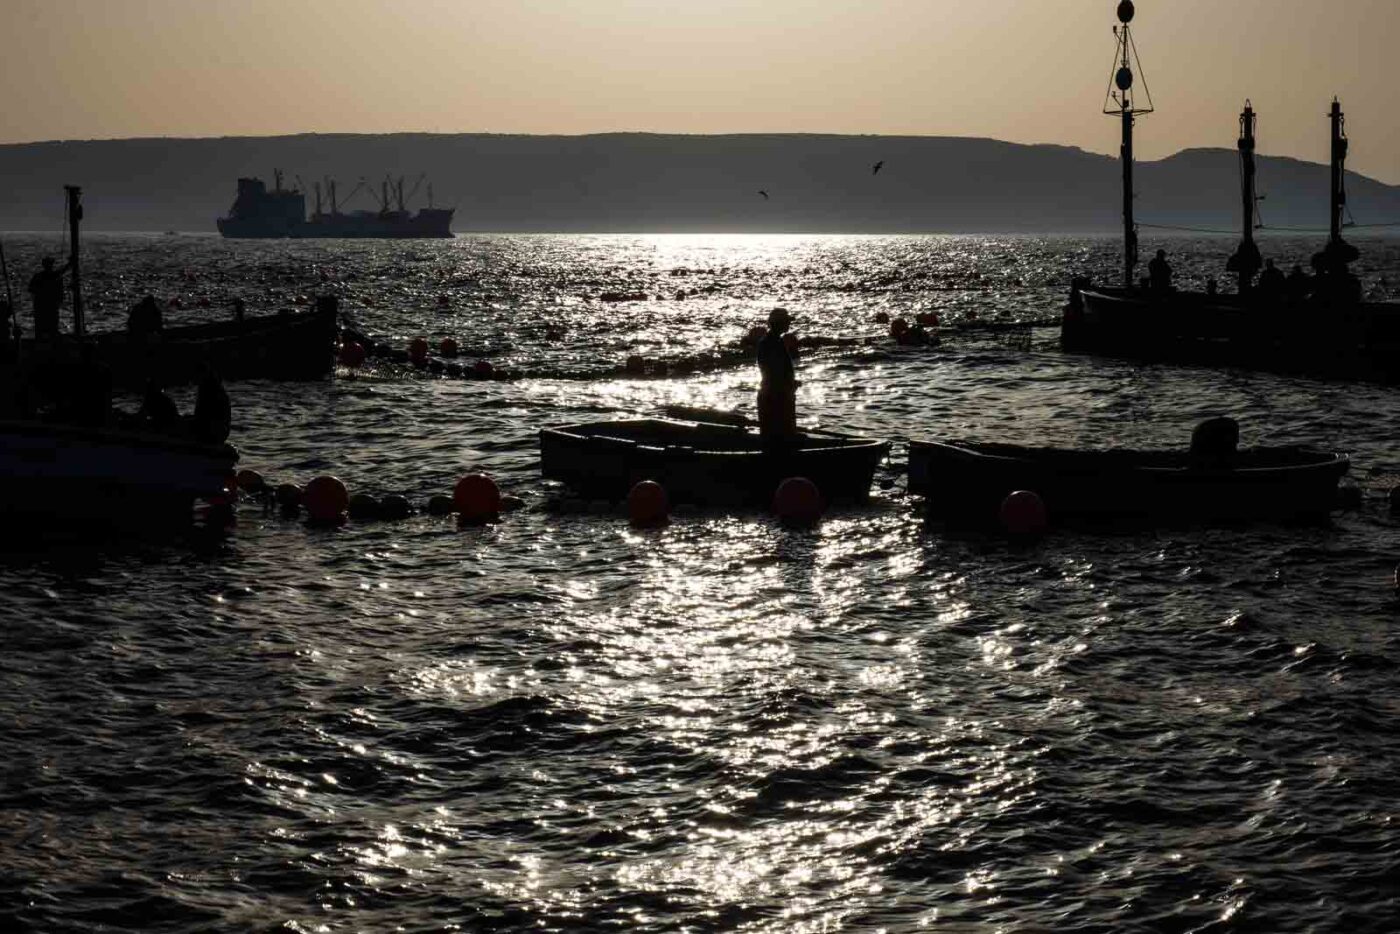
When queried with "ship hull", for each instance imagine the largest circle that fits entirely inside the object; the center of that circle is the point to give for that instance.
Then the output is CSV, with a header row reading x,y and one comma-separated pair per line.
x,y
1339,341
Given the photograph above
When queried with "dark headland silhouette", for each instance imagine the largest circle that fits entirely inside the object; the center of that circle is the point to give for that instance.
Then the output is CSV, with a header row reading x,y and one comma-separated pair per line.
x,y
649,182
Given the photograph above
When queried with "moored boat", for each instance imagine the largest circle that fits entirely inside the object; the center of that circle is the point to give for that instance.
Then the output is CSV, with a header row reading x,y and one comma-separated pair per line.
x,y
704,463
1315,325
59,471
289,346
969,481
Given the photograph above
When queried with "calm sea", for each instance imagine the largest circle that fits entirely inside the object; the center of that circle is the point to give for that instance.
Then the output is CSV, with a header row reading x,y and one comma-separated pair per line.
x,y
559,723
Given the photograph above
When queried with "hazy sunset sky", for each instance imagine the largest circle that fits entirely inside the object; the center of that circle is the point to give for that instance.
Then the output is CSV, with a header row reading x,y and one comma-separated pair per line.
x,y
1020,70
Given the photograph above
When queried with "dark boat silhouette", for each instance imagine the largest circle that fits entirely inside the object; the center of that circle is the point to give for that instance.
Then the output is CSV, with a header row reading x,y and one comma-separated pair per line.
x,y
54,469
704,463
259,213
1327,331
966,480
290,346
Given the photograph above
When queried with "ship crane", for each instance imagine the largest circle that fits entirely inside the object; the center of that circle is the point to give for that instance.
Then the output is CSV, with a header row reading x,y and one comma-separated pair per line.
x,y
416,185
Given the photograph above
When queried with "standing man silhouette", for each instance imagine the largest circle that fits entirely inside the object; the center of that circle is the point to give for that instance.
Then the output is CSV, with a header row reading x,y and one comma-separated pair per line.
x,y
46,290
777,389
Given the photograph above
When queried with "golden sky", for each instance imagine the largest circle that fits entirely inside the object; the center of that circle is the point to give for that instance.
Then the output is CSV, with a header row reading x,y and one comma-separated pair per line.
x,y
1020,70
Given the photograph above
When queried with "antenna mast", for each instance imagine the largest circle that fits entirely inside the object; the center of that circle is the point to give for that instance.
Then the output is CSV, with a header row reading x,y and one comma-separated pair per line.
x,y
1246,260
1118,103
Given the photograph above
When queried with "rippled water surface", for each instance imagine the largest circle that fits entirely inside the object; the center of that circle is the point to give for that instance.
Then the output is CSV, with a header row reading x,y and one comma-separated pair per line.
x,y
561,723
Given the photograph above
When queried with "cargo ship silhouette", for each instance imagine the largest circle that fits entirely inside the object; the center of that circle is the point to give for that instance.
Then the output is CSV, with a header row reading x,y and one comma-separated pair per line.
x,y
258,213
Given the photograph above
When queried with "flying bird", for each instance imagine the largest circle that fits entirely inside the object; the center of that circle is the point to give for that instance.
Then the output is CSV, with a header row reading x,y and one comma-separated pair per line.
x,y
876,169
764,193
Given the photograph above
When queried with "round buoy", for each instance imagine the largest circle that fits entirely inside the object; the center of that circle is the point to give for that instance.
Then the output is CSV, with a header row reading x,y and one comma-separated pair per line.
x,y
898,326
289,497
798,502
326,499
1023,513
477,498
418,349
448,347
636,364
483,369
440,505
648,505
352,354
443,301
395,506
363,507
882,317
250,481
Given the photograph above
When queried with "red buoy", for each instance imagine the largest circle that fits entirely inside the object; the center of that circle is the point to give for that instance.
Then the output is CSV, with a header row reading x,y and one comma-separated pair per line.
x,y
418,349
647,505
483,369
477,498
250,481
352,354
1023,513
326,499
636,364
882,317
798,502
448,347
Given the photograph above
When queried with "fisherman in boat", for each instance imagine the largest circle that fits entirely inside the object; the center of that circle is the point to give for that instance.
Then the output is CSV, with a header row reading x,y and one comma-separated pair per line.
x,y
777,390
144,319
158,412
1159,273
1298,284
1272,284
212,413
46,289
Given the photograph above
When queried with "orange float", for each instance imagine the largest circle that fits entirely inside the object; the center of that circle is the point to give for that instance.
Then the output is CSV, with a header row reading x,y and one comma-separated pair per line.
x,y
647,505
798,502
477,498
326,499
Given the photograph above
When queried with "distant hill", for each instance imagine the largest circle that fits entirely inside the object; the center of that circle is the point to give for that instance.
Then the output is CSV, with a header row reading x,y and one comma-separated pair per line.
x,y
648,182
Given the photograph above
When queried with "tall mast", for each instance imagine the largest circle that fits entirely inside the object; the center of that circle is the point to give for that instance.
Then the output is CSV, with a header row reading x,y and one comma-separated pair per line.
x,y
75,215
1339,158
317,186
1120,104
1246,261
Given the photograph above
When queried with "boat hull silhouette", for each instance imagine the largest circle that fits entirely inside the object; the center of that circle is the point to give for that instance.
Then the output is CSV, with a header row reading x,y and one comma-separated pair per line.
x,y
1344,340
705,464
963,480
291,346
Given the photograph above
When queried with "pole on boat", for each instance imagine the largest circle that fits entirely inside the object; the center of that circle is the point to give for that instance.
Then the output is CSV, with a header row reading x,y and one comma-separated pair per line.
x,y
1124,108
75,216
1339,157
1246,260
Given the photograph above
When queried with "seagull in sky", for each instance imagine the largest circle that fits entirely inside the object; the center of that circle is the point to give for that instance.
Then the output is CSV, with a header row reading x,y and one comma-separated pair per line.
x,y
876,169
764,193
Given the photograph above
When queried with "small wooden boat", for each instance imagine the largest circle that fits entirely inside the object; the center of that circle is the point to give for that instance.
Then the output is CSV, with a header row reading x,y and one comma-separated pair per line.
x,y
55,471
968,481
290,346
704,463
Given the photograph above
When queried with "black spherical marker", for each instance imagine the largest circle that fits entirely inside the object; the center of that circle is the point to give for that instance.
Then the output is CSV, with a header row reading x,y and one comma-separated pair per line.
x,y
1125,12
1124,78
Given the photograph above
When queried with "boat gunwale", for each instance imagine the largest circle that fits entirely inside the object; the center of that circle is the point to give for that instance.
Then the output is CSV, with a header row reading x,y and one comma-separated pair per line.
x,y
828,444
1121,464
